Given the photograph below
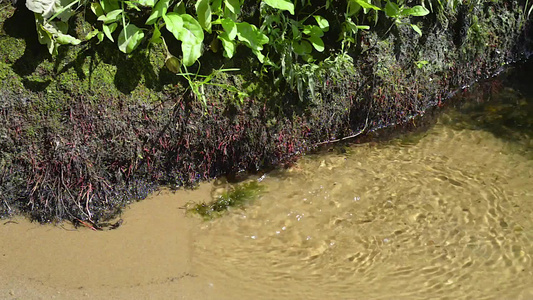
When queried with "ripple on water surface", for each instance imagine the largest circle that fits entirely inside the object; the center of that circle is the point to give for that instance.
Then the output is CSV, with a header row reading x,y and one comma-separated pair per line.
x,y
447,216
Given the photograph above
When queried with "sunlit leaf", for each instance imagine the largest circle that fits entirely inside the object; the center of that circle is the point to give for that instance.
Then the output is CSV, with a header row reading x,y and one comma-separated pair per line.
x,y
417,11
281,4
108,30
322,23
228,44
417,29
158,11
148,3
191,53
317,43
233,5
174,24
230,28
203,10
129,38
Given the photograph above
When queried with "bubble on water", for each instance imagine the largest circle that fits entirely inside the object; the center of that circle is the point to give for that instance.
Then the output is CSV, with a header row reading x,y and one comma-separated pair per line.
x,y
253,237
356,198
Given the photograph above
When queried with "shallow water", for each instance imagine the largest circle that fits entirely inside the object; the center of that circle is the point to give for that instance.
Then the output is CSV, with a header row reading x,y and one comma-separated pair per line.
x,y
444,214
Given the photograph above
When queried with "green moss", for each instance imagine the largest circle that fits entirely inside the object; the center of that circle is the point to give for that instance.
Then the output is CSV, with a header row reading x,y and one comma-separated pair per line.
x,y
238,196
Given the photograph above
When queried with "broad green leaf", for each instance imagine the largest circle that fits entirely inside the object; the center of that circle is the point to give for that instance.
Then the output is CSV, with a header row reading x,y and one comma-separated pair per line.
x,y
203,10
228,44
392,10
230,28
91,34
281,4
296,33
67,39
109,5
100,36
111,17
317,43
322,23
192,33
108,30
216,6
191,53
159,10
147,3
417,11
174,23
43,7
417,29
302,47
313,30
179,8
366,5
129,38
251,36
233,5
156,36
96,8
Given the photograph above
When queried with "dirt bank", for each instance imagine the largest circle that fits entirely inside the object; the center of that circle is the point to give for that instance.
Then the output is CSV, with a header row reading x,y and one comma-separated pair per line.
x,y
86,133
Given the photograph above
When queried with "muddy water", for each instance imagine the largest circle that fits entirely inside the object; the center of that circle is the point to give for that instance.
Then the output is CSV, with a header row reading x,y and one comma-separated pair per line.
x,y
444,214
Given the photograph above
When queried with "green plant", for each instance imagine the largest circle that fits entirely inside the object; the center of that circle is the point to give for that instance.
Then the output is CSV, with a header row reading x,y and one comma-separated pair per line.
x,y
237,197
400,12
287,38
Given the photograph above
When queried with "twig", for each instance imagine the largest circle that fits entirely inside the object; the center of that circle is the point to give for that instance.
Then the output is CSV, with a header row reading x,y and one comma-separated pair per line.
x,y
346,137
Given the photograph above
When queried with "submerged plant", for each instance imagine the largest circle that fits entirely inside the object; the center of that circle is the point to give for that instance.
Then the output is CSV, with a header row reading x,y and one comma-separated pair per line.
x,y
238,196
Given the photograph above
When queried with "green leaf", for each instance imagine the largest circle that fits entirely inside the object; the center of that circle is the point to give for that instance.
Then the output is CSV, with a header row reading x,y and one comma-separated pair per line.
x,y
108,30
67,39
251,36
366,5
156,36
148,3
159,10
216,6
203,10
91,34
109,5
179,8
43,7
100,36
129,38
230,28
392,10
174,23
111,17
233,5
97,9
317,43
322,23
192,32
228,44
417,11
191,53
281,4
417,29
302,47
313,30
